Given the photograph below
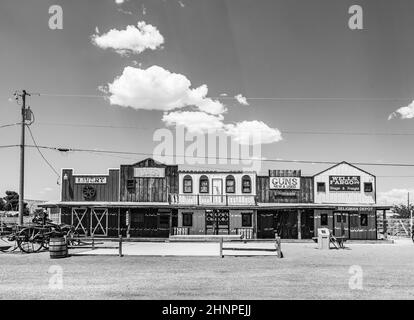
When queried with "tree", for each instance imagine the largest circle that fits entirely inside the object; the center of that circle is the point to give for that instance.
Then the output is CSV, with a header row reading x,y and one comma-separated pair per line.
x,y
402,210
11,202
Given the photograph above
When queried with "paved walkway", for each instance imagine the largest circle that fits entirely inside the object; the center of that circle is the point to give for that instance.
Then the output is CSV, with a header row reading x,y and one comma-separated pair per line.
x,y
182,249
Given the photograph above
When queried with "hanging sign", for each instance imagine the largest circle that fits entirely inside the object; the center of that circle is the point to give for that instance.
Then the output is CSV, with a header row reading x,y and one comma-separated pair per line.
x,y
344,183
90,180
149,172
292,183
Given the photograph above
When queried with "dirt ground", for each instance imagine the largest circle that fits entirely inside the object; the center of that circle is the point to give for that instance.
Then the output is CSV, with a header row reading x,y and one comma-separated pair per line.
x,y
304,273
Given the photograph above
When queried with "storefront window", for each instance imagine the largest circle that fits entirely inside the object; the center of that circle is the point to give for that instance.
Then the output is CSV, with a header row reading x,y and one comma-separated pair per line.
x,y
188,219
230,184
321,186
246,220
188,184
324,219
368,187
246,184
203,184
364,219
130,184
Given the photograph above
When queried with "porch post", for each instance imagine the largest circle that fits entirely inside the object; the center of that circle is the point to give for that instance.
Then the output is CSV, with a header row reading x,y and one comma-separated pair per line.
x,y
299,224
255,224
119,221
384,224
171,227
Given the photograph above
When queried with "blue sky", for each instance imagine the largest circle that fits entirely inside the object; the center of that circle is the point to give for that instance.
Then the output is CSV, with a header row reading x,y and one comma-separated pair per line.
x,y
260,49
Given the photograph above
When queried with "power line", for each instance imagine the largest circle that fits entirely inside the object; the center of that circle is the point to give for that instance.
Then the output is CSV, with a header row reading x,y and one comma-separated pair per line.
x,y
64,95
282,131
41,154
9,125
111,154
223,158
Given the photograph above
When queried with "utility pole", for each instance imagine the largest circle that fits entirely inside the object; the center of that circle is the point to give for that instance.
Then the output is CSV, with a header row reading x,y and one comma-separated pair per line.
x,y
22,144
411,214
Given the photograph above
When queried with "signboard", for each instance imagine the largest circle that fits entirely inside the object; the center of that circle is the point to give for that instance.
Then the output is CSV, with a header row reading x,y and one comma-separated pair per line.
x,y
344,183
90,180
149,172
354,209
290,183
286,193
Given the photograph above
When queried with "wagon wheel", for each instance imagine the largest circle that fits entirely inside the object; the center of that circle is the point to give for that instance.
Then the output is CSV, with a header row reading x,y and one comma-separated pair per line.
x,y
73,238
89,192
30,240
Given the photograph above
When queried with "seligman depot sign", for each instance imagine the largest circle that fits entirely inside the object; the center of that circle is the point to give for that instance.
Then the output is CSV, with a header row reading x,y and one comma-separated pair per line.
x,y
290,183
344,183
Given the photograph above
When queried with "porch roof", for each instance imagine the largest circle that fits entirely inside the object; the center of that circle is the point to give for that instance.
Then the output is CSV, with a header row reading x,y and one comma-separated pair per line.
x,y
322,205
106,204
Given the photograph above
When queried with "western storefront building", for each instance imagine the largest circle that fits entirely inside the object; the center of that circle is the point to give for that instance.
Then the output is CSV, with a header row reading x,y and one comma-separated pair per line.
x,y
216,202
152,199
285,205
350,193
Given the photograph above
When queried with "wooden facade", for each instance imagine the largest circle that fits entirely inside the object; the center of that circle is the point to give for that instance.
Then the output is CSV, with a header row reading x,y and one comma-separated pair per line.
x,y
350,189
304,194
150,199
80,187
148,189
290,188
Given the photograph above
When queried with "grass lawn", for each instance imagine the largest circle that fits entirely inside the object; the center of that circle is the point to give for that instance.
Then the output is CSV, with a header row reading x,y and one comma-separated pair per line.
x,y
304,273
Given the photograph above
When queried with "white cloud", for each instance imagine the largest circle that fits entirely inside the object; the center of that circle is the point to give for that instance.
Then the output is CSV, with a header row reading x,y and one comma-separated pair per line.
x,y
96,30
245,132
194,121
394,196
253,132
182,5
158,89
119,1
403,112
242,100
133,39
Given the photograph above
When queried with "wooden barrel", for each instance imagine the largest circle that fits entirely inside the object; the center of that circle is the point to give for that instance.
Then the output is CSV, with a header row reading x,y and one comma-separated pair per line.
x,y
58,248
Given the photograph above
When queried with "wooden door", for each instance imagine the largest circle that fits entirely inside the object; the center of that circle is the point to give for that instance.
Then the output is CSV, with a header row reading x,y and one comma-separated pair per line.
x,y
217,191
217,222
341,224
265,225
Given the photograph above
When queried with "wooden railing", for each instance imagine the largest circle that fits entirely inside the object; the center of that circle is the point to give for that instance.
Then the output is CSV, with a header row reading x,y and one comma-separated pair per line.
x,y
246,233
212,199
181,231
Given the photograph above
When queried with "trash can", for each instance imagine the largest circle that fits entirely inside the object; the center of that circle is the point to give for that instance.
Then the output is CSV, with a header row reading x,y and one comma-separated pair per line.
x,y
323,238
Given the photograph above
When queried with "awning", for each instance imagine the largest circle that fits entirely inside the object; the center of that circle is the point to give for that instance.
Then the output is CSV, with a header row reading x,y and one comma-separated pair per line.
x,y
103,204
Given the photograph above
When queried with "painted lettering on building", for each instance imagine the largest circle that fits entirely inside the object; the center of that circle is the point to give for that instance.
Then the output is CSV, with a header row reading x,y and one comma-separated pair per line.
x,y
290,183
90,180
344,183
